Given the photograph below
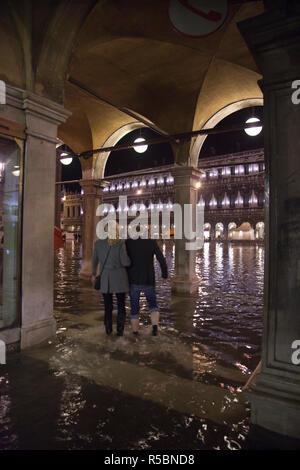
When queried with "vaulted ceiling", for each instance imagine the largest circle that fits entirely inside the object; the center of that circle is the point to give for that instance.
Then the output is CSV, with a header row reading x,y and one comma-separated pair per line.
x,y
129,52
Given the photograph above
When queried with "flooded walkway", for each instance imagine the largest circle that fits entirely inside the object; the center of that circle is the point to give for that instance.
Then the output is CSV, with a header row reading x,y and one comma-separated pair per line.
x,y
180,390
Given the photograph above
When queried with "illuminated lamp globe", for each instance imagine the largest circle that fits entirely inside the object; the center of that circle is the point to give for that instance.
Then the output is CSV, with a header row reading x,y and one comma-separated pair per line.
x,y
253,131
65,161
140,148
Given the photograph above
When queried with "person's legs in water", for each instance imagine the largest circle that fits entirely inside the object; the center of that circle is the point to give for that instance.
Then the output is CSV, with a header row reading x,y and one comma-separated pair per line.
x,y
121,313
150,294
134,307
108,308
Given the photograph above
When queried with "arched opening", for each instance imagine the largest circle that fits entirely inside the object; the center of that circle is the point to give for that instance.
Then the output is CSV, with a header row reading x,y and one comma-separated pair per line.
x,y
234,141
260,231
231,227
113,139
207,232
216,118
69,170
69,206
141,157
243,232
109,163
219,231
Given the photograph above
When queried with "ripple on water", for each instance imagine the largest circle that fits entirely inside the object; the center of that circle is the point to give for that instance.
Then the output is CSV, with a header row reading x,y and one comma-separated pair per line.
x,y
225,315
210,339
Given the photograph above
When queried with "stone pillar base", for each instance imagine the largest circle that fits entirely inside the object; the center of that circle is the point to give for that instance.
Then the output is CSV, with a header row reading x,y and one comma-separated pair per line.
x,y
10,336
86,269
38,332
184,286
278,415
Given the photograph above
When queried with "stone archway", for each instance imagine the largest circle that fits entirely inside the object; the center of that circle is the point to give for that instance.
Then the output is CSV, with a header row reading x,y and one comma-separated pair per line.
x,y
219,230
113,139
260,231
216,118
207,231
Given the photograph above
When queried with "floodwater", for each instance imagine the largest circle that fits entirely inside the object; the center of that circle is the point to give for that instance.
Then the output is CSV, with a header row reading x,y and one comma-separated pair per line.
x,y
180,390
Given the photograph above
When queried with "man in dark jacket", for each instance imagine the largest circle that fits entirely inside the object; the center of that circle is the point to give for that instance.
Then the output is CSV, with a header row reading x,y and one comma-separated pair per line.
x,y
142,278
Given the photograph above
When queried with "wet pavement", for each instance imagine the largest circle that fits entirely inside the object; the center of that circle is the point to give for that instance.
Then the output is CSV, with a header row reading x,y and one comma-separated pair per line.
x,y
180,390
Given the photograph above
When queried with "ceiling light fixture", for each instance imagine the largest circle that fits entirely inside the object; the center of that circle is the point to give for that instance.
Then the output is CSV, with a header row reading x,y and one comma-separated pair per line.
x,y
253,131
140,148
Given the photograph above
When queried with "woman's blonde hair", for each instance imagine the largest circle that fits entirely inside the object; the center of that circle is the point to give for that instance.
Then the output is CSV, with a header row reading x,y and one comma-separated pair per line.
x,y
113,232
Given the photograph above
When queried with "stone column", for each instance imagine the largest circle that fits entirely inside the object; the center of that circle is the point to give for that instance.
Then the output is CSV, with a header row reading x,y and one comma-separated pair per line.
x,y
42,118
274,39
213,231
225,232
185,192
92,197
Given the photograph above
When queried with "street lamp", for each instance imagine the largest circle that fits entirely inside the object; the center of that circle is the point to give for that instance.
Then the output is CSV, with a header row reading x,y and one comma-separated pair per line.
x,y
140,148
67,160
253,131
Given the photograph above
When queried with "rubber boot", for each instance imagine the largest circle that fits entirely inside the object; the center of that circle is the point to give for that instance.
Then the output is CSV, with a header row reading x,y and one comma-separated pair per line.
x,y
108,322
121,314
154,321
134,325
120,325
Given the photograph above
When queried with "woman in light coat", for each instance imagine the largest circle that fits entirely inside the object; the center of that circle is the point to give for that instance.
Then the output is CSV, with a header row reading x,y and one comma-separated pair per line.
x,y
114,279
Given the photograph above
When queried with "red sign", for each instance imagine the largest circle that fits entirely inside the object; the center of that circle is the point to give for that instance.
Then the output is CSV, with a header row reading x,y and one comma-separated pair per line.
x,y
198,17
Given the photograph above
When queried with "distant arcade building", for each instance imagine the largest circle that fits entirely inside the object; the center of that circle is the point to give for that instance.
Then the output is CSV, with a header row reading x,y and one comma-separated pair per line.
x,y
233,195
231,192
71,213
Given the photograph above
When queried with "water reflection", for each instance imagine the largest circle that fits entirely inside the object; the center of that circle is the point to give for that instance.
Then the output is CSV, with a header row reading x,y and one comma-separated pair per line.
x,y
225,316
180,390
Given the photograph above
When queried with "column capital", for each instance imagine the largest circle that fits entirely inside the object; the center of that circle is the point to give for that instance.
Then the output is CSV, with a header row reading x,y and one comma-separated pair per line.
x,y
186,175
92,187
29,114
42,116
37,105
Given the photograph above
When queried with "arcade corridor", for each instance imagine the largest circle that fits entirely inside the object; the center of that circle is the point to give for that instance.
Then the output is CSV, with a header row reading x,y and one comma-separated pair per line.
x,y
77,77
179,391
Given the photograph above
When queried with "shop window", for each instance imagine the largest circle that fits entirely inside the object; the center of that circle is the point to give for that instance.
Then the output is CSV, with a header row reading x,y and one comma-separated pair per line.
x,y
10,157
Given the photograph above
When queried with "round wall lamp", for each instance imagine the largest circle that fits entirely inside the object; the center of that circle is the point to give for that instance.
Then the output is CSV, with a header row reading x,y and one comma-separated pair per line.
x,y
67,160
140,148
253,131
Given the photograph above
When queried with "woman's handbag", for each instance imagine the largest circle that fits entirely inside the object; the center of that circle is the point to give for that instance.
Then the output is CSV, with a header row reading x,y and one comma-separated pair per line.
x,y
97,284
